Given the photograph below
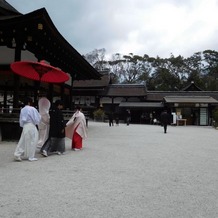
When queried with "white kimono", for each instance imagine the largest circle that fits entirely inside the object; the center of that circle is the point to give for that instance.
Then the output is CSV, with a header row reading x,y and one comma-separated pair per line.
x,y
29,118
44,106
77,122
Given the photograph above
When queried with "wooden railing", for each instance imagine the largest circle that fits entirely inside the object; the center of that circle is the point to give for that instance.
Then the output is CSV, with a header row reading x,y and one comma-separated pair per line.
x,y
9,122
12,114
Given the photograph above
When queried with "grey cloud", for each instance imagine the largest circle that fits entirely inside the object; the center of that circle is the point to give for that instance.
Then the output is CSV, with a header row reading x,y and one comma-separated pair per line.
x,y
118,24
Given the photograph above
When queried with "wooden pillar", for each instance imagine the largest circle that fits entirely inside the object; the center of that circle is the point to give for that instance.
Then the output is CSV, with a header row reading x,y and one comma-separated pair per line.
x,y
71,95
36,92
97,101
50,93
112,104
17,57
62,93
5,95
112,100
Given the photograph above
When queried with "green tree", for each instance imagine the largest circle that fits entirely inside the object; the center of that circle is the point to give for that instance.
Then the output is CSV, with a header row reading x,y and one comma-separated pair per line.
x,y
210,59
173,73
194,70
164,80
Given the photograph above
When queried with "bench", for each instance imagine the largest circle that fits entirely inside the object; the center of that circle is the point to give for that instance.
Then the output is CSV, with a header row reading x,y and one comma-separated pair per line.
x,y
181,121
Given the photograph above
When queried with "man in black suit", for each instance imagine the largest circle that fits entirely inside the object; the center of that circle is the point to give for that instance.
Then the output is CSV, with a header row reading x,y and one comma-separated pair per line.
x,y
165,120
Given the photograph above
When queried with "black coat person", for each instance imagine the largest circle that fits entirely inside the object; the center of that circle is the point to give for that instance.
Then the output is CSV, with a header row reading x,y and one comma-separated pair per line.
x,y
111,119
165,120
128,117
56,141
57,123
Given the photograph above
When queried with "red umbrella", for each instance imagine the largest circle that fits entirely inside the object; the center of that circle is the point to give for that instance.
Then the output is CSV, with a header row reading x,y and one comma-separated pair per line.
x,y
39,71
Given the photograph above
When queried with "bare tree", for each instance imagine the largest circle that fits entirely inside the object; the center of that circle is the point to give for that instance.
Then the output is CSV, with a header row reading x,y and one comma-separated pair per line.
x,y
97,58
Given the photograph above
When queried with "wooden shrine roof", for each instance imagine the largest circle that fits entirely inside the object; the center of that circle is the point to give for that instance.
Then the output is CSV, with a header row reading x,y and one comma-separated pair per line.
x,y
36,33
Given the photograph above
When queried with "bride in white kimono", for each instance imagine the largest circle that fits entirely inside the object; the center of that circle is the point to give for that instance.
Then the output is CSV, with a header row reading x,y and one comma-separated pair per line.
x,y
44,125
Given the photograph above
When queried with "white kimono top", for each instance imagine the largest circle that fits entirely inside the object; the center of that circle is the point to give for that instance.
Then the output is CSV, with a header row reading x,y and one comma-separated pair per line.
x,y
29,114
78,123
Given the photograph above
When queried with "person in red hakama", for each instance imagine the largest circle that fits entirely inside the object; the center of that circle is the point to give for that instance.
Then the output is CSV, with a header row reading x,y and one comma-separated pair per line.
x,y
76,129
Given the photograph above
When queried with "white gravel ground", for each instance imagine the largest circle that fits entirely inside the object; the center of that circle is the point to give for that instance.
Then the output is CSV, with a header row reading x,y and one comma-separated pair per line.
x,y
133,171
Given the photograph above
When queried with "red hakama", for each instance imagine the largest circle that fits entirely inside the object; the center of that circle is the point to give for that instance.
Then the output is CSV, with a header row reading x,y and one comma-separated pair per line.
x,y
76,141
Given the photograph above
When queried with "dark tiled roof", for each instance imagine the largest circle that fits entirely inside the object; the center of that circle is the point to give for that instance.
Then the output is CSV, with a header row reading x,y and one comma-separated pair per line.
x,y
159,95
6,9
53,48
103,82
192,87
126,90
141,104
190,99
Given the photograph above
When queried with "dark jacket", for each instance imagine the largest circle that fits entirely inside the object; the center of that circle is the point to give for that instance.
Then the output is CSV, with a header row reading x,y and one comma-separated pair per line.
x,y
57,124
165,118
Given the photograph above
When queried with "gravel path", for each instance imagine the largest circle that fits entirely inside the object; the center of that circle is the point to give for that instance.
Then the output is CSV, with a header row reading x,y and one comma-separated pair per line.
x,y
133,171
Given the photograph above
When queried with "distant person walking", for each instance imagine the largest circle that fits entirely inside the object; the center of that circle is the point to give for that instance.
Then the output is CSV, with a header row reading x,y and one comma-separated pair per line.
x,y
44,106
111,119
165,120
29,118
117,119
76,129
128,117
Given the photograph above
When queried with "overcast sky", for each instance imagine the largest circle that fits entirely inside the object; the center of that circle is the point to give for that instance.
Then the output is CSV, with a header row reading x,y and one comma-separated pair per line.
x,y
152,27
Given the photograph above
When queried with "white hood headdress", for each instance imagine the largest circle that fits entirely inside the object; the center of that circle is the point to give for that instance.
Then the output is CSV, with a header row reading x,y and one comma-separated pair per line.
x,y
44,105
